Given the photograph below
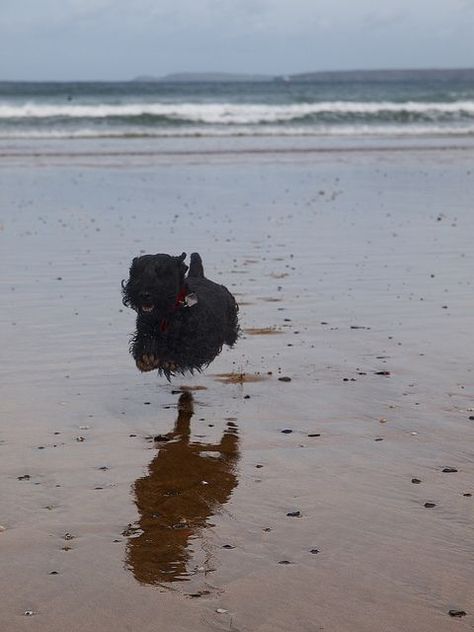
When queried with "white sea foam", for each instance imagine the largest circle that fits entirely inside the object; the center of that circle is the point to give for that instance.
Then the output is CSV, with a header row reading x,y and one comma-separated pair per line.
x,y
231,113
244,131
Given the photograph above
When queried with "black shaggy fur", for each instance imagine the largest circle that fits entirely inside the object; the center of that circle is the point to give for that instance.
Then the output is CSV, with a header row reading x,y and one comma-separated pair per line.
x,y
174,333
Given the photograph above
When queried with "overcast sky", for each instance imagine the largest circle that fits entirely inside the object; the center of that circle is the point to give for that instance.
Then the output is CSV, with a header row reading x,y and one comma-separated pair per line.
x,y
119,39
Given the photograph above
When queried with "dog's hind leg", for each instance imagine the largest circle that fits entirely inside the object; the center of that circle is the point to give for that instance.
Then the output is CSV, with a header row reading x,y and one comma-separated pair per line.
x,y
196,269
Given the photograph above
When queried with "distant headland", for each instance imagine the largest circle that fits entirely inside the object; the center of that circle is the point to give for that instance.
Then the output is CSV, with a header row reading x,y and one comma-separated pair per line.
x,y
435,74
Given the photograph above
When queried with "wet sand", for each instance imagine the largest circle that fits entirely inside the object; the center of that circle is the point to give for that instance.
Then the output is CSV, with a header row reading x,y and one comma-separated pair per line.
x,y
275,491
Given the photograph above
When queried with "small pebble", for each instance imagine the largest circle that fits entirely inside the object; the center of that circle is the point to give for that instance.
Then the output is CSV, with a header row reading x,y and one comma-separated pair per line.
x,y
294,514
314,551
382,372
161,438
416,481
228,546
221,611
467,494
284,562
314,434
457,613
430,505
80,439
449,469
287,431
284,379
30,613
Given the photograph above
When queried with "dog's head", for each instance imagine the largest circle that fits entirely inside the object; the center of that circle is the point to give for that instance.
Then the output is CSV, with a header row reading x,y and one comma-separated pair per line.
x,y
154,283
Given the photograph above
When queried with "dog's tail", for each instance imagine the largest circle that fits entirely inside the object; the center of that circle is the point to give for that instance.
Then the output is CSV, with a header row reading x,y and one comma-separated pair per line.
x,y
195,267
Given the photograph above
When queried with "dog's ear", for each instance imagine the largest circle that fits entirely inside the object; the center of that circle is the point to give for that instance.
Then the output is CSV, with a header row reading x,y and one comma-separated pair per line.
x,y
183,268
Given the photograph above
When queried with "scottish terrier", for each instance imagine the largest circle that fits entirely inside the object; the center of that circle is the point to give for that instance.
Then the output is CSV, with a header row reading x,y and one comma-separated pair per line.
x,y
182,321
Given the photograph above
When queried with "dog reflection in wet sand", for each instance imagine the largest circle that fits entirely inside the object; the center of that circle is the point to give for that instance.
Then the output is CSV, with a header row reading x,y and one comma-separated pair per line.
x,y
187,482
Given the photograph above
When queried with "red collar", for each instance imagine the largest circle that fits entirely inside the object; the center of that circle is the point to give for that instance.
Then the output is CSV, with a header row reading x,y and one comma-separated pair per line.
x,y
180,298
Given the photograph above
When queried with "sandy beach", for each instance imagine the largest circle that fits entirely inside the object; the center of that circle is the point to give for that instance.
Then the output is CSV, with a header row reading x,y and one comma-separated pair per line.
x,y
338,499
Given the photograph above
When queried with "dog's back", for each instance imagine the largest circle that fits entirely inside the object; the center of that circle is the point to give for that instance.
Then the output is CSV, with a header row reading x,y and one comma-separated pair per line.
x,y
215,295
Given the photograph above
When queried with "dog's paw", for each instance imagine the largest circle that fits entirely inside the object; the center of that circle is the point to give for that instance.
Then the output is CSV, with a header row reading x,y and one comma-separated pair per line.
x,y
168,366
147,362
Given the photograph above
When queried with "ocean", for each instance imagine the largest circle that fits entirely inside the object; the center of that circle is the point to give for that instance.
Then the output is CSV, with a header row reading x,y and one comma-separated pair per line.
x,y
426,106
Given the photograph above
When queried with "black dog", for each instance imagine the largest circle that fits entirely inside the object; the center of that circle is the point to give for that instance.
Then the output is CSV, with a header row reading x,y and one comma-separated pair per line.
x,y
182,322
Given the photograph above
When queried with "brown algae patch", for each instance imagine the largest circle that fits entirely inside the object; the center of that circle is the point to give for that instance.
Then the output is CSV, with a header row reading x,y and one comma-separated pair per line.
x,y
240,378
262,331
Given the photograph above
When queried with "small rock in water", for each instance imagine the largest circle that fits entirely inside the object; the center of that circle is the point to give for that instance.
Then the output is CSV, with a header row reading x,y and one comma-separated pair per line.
x,y
314,434
449,469
68,536
284,379
221,611
294,514
287,431
30,613
457,613
25,477
416,481
161,438
284,562
430,505
382,373
314,551
228,546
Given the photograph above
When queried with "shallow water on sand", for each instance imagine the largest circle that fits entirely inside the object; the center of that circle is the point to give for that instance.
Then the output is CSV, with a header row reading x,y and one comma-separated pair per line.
x,y
362,263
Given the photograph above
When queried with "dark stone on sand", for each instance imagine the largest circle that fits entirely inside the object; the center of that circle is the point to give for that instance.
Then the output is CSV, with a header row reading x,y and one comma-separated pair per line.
x,y
228,546
54,573
416,481
314,434
294,514
284,379
467,495
314,551
246,396
448,470
378,439
132,435
457,613
25,477
471,417
161,438
284,562
147,403
429,505
382,373
258,465
287,431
